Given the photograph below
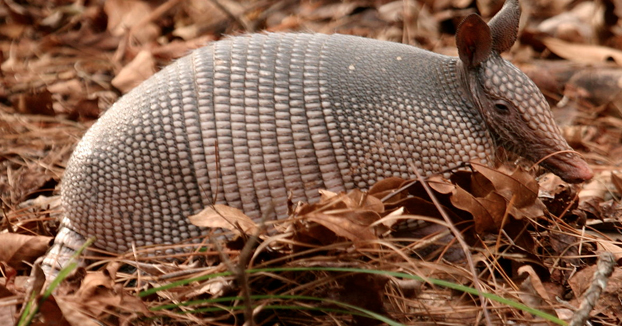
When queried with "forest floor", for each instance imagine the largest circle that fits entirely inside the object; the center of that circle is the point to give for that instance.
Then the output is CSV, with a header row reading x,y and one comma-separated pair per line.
x,y
532,249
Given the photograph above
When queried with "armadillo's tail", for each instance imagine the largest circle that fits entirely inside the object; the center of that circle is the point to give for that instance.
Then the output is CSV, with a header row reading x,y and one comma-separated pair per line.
x,y
66,244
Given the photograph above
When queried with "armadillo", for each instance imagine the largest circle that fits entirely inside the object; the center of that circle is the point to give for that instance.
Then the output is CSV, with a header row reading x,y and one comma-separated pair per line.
x,y
250,120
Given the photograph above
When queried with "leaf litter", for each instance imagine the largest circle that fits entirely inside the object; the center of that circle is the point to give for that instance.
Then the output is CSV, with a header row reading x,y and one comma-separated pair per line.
x,y
533,240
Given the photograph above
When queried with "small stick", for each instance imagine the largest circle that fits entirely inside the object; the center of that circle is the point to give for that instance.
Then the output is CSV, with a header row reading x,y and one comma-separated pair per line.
x,y
604,269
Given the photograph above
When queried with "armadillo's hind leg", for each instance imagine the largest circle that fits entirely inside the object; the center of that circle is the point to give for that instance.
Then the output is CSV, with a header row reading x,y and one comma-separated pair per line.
x,y
66,244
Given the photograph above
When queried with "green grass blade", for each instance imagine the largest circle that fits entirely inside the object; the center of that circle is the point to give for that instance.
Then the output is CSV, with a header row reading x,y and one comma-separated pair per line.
x,y
434,281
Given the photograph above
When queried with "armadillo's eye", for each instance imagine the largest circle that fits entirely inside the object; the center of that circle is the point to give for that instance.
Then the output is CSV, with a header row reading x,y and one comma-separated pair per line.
x,y
502,107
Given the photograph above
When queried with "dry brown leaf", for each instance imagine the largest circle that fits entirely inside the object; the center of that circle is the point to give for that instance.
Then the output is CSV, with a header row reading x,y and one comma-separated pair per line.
x,y
351,200
566,246
365,291
616,179
363,200
583,53
520,185
225,217
534,295
12,31
27,181
551,185
491,195
89,109
609,246
423,207
609,214
37,280
557,195
142,67
580,281
98,294
580,136
419,204
102,284
326,194
51,313
488,212
388,184
480,185
595,88
177,49
331,10
387,187
597,187
361,216
536,283
19,248
574,26
93,283
332,201
35,103
122,15
7,312
67,87
343,227
440,184
390,219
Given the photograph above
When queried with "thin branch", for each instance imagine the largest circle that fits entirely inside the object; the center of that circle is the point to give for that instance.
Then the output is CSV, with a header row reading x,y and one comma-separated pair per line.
x,y
604,269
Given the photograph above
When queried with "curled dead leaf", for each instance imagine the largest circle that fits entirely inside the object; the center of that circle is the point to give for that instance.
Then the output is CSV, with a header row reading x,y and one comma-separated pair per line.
x,y
225,217
558,196
40,102
518,184
326,194
19,248
533,293
363,200
7,312
51,312
344,227
391,218
134,73
440,184
386,187
616,180
488,212
597,187
518,187
582,53
536,283
97,296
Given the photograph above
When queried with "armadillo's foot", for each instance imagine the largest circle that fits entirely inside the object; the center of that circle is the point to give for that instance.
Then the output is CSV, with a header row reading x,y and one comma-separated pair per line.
x,y
66,243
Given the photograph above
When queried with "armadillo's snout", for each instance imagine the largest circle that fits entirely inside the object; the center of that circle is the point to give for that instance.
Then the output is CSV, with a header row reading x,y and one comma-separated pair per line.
x,y
570,167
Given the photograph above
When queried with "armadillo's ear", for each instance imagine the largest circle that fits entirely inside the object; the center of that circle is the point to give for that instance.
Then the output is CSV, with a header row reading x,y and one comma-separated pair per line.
x,y
473,40
504,26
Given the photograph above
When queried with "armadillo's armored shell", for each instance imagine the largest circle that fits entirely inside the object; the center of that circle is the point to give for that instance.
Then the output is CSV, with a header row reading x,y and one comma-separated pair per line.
x,y
247,120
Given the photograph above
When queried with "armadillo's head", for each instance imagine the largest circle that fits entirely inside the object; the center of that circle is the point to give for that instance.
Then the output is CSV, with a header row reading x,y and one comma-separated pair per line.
x,y
521,121
514,109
